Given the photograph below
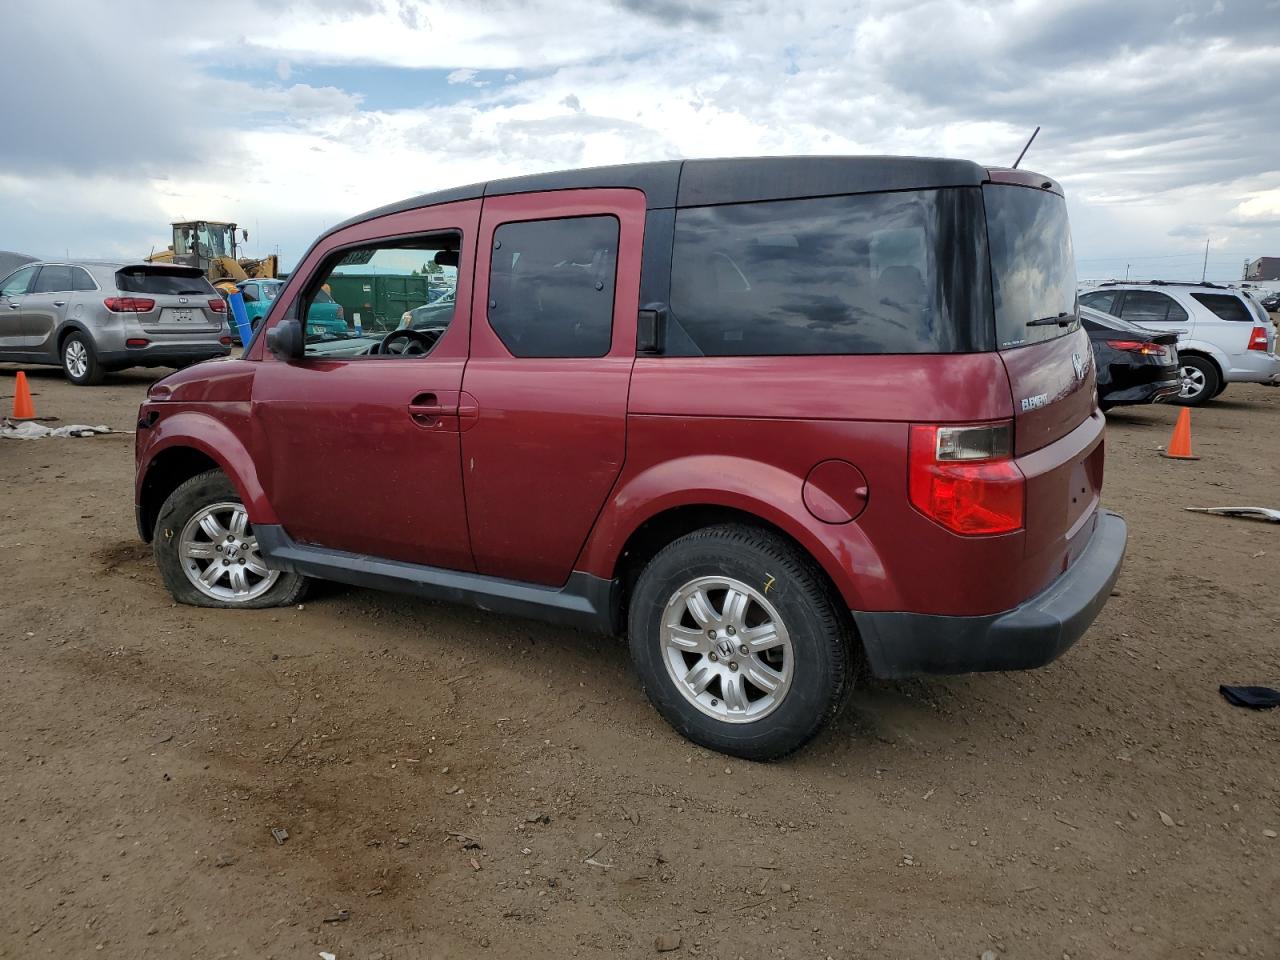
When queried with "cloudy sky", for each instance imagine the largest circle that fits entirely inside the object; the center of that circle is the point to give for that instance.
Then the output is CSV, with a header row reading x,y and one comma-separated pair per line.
x,y
1162,118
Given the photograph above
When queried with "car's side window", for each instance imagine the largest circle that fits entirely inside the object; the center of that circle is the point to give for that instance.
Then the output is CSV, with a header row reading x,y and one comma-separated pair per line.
x,y
1103,300
1225,305
53,279
17,283
250,292
1150,306
551,286
382,299
80,279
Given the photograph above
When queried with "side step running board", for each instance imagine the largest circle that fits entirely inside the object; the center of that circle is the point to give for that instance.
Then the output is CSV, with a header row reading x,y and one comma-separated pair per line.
x,y
585,602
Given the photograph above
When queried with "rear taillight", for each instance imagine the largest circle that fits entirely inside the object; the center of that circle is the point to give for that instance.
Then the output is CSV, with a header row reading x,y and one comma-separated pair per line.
x,y
1258,341
225,341
136,342
1140,347
965,479
129,304
217,305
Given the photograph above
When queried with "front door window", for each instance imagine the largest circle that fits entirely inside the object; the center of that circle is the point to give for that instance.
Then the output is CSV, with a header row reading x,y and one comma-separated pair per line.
x,y
389,299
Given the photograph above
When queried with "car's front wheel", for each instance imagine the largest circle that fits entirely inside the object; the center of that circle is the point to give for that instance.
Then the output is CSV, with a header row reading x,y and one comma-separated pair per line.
x,y
207,552
79,361
1200,380
740,642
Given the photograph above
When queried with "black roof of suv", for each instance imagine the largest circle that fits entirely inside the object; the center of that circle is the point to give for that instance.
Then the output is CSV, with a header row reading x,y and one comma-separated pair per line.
x,y
690,183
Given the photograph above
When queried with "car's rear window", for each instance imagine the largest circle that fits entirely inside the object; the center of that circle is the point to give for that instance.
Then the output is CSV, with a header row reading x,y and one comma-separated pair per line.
x,y
163,282
861,274
1225,305
1033,268
1101,319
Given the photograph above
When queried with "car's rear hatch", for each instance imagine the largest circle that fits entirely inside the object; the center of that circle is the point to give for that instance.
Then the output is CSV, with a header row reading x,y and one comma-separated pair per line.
x,y
1057,426
181,300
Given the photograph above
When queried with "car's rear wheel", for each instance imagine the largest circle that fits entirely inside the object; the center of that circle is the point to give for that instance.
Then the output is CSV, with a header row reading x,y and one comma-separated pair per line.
x,y
207,552
1200,381
79,361
740,642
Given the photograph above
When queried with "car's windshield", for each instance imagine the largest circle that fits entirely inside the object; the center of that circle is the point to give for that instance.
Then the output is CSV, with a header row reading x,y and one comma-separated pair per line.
x,y
270,290
1033,268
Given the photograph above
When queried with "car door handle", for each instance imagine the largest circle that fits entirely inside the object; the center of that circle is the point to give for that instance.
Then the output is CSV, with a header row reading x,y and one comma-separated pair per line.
x,y
425,404
59,303
14,306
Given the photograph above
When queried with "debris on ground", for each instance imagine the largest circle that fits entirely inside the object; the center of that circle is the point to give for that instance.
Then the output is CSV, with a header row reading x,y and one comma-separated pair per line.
x,y
30,430
666,942
1253,513
280,833
342,916
1256,698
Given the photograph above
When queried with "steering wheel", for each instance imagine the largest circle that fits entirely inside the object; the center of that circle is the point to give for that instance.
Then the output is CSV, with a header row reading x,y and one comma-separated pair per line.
x,y
416,343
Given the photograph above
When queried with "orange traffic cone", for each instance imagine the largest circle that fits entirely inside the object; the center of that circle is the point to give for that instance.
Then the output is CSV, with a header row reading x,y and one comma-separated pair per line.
x,y
1180,442
23,408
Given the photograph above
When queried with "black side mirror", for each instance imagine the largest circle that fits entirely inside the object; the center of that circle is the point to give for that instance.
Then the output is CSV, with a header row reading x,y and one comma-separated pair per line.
x,y
285,341
651,329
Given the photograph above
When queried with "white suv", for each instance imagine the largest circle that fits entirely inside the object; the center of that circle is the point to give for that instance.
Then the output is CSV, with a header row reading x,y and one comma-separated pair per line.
x,y
1224,336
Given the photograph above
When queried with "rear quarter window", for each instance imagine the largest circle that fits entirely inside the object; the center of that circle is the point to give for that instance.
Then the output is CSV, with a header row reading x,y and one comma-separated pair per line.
x,y
857,274
1225,306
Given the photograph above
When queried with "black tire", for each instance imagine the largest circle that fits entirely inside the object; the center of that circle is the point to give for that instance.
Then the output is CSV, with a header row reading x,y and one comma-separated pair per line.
x,y
93,371
1222,386
1212,380
820,632
188,499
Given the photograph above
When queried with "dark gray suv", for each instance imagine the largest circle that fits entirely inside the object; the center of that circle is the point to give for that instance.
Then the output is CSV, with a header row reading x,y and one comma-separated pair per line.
x,y
92,316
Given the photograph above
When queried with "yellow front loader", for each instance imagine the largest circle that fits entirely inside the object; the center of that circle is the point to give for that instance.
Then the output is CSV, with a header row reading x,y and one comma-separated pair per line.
x,y
211,246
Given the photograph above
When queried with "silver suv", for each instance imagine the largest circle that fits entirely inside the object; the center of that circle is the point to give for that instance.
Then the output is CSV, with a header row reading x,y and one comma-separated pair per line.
x,y
91,316
1224,336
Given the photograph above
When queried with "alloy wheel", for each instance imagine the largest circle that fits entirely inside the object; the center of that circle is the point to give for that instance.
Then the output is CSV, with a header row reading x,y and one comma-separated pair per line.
x,y
220,556
76,358
1192,382
726,649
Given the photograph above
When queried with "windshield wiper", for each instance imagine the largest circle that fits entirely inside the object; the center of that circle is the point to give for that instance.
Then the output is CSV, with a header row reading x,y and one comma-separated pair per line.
x,y
1061,320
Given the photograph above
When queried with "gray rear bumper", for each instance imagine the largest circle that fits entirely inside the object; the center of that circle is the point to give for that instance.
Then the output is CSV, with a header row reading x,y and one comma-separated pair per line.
x,y
1030,635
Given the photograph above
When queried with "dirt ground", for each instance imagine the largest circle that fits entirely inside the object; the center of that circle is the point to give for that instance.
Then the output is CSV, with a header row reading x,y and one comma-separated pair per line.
x,y
456,784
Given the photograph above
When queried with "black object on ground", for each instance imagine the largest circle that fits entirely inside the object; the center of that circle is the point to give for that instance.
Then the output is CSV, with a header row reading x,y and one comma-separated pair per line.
x,y
1256,698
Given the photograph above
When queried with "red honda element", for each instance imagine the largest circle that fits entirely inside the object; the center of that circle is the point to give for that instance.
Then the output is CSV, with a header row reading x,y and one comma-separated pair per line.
x,y
769,418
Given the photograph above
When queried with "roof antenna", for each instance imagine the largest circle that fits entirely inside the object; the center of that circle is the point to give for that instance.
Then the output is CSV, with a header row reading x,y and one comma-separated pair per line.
x,y
1025,149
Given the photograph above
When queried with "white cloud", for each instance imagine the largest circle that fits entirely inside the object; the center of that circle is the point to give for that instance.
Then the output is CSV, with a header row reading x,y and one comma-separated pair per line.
x,y
1264,205
1147,152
